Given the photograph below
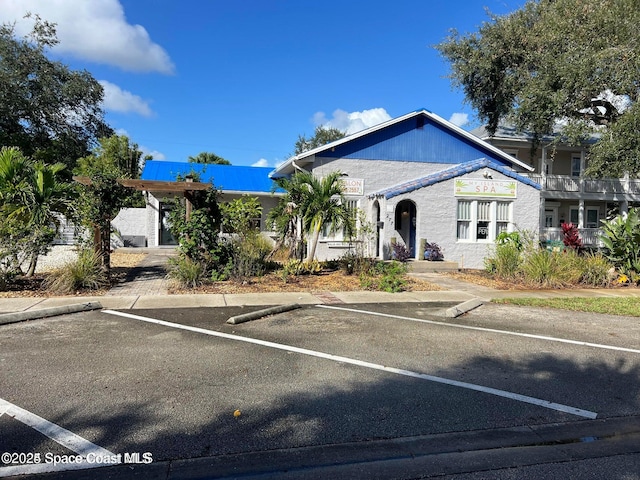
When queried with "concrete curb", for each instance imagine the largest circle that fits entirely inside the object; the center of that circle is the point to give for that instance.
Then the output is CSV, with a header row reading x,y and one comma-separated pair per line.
x,y
246,317
464,307
421,456
15,317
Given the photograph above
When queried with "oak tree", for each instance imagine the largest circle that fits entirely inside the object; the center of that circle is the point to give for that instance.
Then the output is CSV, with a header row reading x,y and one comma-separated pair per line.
x,y
51,112
558,66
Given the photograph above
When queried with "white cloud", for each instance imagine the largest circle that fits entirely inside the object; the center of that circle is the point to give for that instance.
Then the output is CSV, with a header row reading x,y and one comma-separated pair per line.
x,y
119,100
154,153
94,30
352,122
263,162
459,119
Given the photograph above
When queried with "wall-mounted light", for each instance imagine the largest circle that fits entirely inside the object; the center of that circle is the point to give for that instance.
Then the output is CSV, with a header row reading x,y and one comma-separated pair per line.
x,y
486,174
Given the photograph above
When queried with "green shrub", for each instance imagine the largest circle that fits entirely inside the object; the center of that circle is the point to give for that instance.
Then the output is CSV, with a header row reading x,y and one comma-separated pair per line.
x,y
353,262
621,240
505,263
507,256
297,267
385,276
543,268
185,272
249,256
510,238
595,270
83,273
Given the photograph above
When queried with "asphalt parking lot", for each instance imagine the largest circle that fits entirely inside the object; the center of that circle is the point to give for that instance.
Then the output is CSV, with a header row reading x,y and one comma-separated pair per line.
x,y
175,384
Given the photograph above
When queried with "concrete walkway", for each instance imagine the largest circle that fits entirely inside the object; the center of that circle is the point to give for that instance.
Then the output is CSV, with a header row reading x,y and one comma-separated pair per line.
x,y
149,277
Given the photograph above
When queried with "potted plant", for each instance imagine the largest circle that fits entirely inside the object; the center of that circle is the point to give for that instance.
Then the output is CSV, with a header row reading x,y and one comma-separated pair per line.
x,y
433,252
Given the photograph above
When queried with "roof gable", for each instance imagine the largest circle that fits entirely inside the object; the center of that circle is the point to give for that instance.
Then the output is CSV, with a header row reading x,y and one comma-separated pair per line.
x,y
227,178
415,139
449,173
419,136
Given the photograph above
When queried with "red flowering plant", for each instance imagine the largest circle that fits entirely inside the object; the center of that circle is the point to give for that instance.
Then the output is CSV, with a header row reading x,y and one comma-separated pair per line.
x,y
571,236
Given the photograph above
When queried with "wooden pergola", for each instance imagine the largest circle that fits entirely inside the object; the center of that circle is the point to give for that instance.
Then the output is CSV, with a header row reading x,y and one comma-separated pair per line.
x,y
185,187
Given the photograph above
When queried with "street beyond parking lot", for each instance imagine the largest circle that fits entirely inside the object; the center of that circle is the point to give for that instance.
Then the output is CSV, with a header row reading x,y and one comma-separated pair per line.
x,y
182,384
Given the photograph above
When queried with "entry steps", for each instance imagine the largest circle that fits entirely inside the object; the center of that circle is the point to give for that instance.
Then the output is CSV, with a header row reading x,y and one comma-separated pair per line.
x,y
426,266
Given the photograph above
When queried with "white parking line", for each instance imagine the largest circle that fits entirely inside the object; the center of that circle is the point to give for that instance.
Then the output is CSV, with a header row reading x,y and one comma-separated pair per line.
x,y
491,330
56,433
408,373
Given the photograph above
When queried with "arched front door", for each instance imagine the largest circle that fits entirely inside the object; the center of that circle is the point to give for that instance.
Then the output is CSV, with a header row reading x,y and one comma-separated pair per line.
x,y
406,224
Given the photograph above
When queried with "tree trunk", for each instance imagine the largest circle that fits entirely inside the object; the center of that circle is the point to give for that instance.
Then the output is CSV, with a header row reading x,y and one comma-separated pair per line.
x,y
314,242
102,245
32,265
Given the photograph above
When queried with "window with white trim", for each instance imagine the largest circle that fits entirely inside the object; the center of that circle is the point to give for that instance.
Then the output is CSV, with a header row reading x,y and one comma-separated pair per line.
x,y
464,219
340,234
576,164
503,217
483,220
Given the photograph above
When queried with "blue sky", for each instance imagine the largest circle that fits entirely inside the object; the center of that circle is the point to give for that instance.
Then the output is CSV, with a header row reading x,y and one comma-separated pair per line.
x,y
243,79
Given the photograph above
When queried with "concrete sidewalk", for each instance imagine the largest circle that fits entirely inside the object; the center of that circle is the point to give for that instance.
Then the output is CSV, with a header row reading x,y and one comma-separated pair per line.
x,y
146,287
454,291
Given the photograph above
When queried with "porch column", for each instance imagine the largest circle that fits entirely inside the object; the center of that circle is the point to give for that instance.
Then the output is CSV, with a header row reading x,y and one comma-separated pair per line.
x,y
542,216
624,207
187,197
583,166
543,183
624,204
581,214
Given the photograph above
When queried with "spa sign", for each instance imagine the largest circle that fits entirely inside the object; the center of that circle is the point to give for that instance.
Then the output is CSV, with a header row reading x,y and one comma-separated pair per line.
x,y
485,188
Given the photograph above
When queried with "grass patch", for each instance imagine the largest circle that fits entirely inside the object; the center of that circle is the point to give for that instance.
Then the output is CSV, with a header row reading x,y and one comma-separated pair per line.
x,y
625,306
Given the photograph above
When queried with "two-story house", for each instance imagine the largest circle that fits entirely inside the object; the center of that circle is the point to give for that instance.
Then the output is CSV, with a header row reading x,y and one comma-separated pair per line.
x,y
567,194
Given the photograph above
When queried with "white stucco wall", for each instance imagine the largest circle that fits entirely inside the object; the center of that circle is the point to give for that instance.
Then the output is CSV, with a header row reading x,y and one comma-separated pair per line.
x,y
436,207
377,174
131,221
436,219
152,219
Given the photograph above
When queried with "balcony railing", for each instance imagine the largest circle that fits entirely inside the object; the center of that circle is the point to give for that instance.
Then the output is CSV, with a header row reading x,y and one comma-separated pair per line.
x,y
565,183
590,236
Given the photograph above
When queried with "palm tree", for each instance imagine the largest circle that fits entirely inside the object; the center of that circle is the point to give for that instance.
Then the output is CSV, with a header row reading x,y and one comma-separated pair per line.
x,y
13,176
33,198
310,203
50,198
323,204
285,216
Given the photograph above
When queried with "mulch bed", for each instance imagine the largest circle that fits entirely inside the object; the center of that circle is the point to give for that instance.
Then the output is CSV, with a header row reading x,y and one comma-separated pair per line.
x,y
336,281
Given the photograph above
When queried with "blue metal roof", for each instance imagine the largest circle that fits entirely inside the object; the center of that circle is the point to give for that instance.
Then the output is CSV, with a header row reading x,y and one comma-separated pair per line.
x,y
224,177
450,173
